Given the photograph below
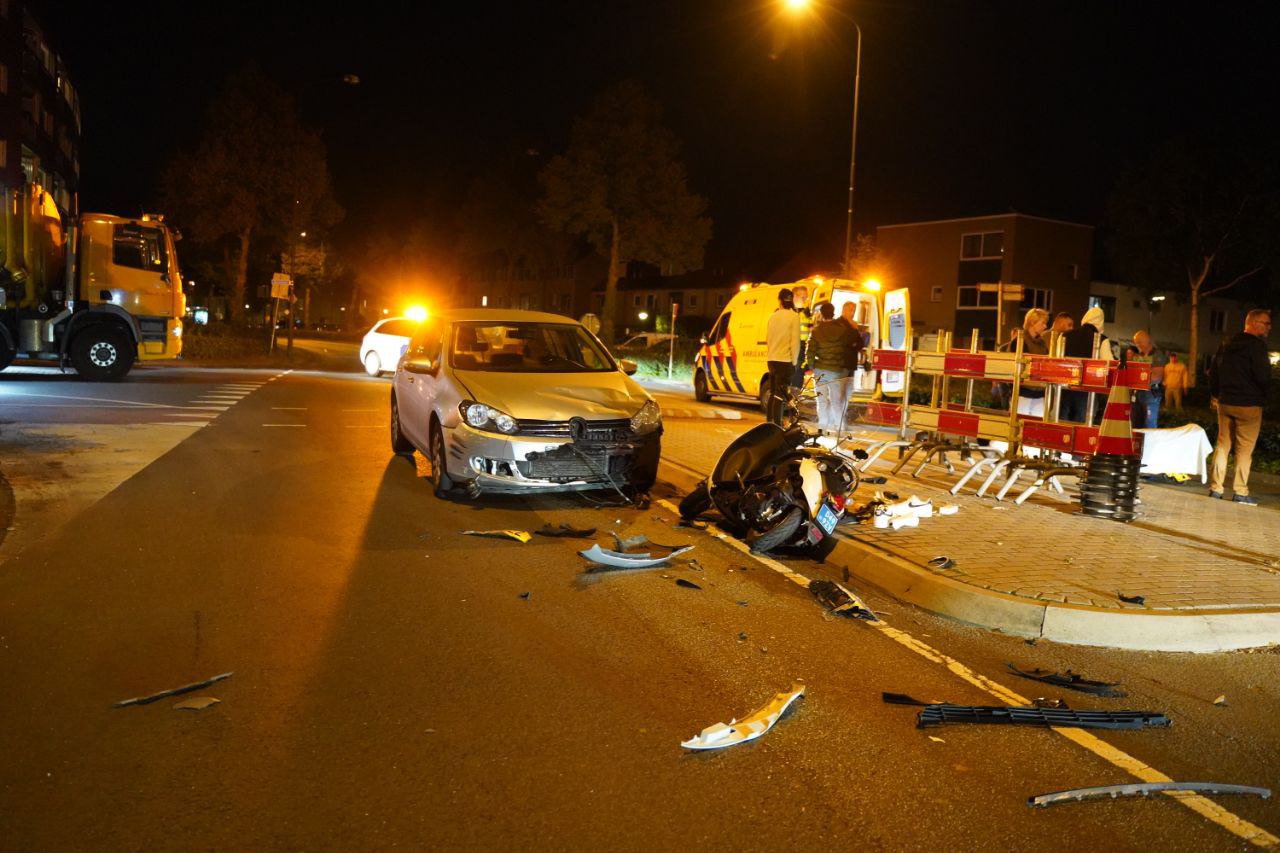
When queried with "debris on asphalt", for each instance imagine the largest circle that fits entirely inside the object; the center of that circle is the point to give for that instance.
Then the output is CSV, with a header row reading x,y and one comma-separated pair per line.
x,y
687,584
891,496
940,714
627,545
196,703
750,727
1143,789
875,481
1132,599
948,509
565,530
1030,641
620,560
525,595
942,563
742,636
1042,702
1221,700
904,699
936,739
1071,681
695,565
520,536
742,604
839,600
176,691
692,522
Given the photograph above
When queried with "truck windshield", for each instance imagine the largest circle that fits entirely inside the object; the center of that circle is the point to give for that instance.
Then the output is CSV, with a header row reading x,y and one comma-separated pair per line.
x,y
139,246
527,348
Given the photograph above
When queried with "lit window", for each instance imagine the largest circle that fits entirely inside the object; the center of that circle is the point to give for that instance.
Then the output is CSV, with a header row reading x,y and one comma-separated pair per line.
x,y
935,295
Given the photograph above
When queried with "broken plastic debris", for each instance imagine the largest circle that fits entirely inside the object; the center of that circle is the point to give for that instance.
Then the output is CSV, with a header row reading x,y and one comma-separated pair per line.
x,y
628,543
525,595
564,530
196,703
1132,599
518,535
942,563
936,739
1221,700
948,509
839,600
874,481
619,560
1143,789
687,584
177,691
693,522
749,727
1071,681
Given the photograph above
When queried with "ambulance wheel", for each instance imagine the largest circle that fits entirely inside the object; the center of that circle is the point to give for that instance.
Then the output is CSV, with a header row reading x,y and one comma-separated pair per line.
x,y
700,392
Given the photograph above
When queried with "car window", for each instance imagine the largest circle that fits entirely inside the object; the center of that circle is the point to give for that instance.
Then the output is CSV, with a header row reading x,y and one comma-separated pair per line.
x,y
425,342
527,348
718,332
403,328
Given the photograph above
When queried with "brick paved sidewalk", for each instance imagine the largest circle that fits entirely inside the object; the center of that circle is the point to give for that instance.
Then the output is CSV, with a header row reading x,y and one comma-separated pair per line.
x,y
1185,554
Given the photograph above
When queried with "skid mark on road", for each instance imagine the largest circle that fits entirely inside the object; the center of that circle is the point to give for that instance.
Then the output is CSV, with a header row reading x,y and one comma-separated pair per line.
x,y
1199,804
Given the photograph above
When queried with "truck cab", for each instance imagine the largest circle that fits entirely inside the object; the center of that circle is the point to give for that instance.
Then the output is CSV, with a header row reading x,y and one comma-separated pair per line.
x,y
96,296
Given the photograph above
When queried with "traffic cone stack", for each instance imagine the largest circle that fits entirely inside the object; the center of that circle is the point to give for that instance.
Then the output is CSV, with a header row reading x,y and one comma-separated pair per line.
x,y
1110,487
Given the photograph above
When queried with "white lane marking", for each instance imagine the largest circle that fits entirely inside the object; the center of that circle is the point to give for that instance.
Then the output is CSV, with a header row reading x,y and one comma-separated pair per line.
x,y
97,400
288,408
80,406
189,414
1199,804
284,425
363,410
182,423
209,408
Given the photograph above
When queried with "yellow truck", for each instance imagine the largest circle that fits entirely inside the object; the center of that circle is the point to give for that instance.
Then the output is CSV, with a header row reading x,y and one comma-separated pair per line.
x,y
731,361
96,293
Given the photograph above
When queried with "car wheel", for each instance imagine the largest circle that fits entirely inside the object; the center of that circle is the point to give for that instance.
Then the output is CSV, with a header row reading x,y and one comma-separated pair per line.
x,y
780,533
399,444
372,364
102,352
440,478
696,502
700,392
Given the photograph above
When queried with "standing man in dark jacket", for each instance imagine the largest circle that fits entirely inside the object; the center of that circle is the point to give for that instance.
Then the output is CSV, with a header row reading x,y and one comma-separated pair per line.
x,y
1238,378
833,353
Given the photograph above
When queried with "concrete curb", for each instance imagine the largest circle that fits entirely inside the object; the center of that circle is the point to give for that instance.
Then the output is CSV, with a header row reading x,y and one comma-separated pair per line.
x,y
1218,631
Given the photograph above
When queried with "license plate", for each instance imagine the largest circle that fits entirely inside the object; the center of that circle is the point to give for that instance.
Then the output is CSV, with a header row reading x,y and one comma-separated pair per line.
x,y
828,518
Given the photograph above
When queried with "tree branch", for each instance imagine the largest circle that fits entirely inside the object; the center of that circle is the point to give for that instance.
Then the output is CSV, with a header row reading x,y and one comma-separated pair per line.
x,y
1233,282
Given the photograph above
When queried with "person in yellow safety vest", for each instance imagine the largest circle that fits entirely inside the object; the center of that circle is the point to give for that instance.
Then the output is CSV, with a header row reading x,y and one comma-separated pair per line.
x,y
1175,381
801,297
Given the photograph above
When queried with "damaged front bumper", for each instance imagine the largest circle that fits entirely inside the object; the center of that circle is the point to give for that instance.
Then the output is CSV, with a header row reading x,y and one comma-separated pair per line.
x,y
520,464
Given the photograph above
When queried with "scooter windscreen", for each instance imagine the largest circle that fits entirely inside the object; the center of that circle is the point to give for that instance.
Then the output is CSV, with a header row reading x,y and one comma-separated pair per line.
x,y
749,453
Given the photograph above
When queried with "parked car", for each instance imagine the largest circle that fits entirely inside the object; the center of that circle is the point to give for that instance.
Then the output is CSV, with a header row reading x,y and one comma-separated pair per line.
x,y
524,402
645,341
385,343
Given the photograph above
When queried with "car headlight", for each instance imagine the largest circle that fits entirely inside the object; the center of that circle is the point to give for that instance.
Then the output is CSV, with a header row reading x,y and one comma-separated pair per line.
x,y
647,419
488,418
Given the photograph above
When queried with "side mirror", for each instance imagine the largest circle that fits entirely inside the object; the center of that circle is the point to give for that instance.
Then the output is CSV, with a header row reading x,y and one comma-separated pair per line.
x,y
628,366
419,365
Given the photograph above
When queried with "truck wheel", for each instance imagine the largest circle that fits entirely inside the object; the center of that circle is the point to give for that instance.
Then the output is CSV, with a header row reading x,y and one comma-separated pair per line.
x,y
102,352
700,387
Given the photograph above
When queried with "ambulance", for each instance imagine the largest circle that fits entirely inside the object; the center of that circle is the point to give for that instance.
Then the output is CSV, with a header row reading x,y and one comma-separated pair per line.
x,y
731,362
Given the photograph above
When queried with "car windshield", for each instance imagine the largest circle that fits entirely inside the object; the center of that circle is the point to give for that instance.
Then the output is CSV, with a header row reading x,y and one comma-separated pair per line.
x,y
527,348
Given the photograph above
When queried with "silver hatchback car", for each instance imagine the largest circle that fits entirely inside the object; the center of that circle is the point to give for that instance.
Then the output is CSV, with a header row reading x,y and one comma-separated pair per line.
x,y
522,401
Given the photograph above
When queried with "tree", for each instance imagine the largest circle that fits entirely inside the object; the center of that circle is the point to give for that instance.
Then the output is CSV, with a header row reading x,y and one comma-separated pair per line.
x,y
622,186
865,260
1198,217
255,172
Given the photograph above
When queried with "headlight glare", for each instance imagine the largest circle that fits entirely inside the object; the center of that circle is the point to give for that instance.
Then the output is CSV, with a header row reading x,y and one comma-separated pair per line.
x,y
477,415
505,423
648,419
487,418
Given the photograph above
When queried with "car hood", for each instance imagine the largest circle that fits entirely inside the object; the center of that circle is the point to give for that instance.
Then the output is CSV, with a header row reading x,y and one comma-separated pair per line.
x,y
555,396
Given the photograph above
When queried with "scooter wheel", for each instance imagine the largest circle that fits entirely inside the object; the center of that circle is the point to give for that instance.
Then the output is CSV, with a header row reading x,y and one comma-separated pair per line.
x,y
780,534
696,502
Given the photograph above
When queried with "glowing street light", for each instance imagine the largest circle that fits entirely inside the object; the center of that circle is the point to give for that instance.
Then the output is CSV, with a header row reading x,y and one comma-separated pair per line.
x,y
797,5
643,315
416,313
871,284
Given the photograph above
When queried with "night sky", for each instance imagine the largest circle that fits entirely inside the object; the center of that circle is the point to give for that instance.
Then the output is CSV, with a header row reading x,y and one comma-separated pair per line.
x,y
967,108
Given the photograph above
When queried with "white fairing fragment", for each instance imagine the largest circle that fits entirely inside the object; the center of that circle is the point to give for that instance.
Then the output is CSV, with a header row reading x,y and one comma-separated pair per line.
x,y
748,728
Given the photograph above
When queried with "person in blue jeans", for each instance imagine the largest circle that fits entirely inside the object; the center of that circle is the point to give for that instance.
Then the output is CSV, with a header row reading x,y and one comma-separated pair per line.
x,y
833,353
1147,403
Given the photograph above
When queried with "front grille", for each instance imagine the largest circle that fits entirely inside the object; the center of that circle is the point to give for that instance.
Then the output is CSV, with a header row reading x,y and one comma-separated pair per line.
x,y
568,463
596,431
153,328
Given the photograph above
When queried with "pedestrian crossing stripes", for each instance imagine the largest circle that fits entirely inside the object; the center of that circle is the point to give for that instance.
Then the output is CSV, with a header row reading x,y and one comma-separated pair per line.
x,y
202,410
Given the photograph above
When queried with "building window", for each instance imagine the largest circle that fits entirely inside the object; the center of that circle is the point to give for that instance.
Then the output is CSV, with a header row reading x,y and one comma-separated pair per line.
x,y
650,300
635,301
1037,297
935,294
720,300
977,247
1075,271
1108,306
977,295
1217,320
693,300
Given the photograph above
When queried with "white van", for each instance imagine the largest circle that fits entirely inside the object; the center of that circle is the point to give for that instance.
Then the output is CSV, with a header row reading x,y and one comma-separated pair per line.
x,y
732,363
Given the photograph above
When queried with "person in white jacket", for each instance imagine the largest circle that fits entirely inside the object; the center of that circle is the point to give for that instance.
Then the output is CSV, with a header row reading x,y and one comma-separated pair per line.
x,y
782,340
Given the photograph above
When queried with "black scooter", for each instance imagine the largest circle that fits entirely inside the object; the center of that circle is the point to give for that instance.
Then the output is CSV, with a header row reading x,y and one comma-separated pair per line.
x,y
778,483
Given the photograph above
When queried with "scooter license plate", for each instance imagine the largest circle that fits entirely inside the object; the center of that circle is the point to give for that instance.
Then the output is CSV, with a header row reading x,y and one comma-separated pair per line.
x,y
828,518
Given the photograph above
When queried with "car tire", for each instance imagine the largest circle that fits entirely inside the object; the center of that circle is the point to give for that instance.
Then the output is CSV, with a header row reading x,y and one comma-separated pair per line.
x,y
400,445
372,364
102,352
696,502
440,479
700,392
780,534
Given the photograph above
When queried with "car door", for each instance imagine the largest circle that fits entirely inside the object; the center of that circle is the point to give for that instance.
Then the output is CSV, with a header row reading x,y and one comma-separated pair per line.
x,y
415,388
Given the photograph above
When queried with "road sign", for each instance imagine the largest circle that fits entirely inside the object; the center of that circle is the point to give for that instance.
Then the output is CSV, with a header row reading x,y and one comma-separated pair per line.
x,y
592,322
280,284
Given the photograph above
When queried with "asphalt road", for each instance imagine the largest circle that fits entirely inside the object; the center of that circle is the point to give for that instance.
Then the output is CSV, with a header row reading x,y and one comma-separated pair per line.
x,y
394,688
